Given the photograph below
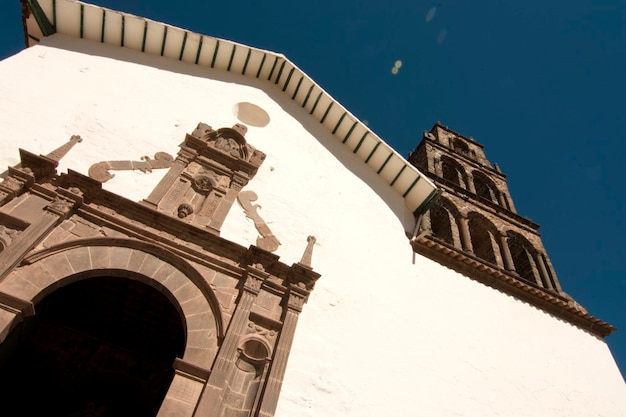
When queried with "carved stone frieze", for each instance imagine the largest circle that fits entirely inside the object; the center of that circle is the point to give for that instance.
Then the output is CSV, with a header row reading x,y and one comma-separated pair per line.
x,y
12,184
60,206
297,298
267,334
253,283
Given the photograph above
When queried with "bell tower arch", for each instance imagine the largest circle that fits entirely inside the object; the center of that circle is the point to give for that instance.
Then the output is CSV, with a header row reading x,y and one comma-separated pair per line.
x,y
475,228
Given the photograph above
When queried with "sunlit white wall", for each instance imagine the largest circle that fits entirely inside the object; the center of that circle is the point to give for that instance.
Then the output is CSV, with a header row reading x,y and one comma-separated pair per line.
x,y
384,333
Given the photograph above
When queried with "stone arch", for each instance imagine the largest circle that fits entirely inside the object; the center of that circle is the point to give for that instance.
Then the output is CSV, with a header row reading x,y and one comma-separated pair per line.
x,y
522,254
453,171
103,345
485,187
61,265
484,238
460,146
443,222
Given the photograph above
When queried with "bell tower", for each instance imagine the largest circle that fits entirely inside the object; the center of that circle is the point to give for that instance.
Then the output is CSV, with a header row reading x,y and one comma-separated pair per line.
x,y
475,221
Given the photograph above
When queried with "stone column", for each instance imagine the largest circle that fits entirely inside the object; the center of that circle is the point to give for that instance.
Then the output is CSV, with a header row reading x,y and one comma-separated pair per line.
x,y
502,200
550,269
507,258
466,240
470,183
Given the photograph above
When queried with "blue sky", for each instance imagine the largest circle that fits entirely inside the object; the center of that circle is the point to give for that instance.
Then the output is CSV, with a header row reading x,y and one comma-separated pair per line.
x,y
540,84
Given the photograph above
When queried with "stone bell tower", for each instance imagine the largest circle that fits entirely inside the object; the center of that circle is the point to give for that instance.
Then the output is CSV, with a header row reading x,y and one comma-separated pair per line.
x,y
474,225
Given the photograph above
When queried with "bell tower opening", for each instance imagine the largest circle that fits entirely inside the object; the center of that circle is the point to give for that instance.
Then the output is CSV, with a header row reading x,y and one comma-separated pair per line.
x,y
98,347
476,218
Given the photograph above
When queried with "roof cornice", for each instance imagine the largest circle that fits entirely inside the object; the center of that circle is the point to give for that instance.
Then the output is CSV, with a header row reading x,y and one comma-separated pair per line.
x,y
86,21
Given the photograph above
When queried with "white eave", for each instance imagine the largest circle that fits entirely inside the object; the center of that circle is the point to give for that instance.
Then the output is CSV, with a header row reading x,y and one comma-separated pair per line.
x,y
82,20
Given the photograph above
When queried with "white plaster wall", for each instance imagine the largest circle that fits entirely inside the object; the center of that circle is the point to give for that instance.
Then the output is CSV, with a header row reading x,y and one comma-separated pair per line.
x,y
382,334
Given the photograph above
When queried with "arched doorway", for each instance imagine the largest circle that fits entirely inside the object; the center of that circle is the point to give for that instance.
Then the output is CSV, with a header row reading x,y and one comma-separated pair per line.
x,y
102,346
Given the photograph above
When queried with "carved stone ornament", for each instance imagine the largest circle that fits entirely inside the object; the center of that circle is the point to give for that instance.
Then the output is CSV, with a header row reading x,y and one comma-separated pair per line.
x,y
204,132
100,170
267,241
12,184
7,234
60,206
296,300
203,183
229,141
253,283
229,146
267,334
184,210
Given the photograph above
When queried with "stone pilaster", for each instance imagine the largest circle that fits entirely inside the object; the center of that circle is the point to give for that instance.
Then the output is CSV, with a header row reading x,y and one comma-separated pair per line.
x,y
183,158
211,400
238,181
53,214
297,297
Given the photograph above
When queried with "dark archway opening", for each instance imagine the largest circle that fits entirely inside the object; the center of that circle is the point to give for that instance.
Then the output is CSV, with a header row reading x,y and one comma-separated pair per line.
x,y
99,347
440,224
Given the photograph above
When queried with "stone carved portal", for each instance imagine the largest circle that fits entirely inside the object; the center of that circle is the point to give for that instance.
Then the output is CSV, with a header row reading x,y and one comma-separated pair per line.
x,y
238,306
102,346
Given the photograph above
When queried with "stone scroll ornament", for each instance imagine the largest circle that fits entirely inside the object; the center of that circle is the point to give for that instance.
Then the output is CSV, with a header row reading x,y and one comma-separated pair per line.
x,y
267,241
100,170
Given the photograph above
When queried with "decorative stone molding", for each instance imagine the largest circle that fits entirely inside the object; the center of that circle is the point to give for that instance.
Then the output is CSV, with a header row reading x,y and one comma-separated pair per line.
x,y
556,303
100,170
267,240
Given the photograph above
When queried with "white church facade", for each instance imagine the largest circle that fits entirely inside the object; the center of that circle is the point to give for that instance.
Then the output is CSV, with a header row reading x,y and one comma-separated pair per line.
x,y
193,227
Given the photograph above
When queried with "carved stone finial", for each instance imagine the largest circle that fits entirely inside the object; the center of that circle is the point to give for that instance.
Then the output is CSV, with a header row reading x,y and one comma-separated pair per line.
x,y
242,129
62,150
204,131
308,252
